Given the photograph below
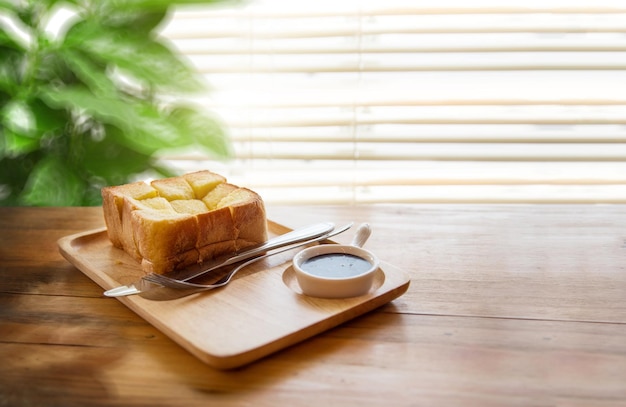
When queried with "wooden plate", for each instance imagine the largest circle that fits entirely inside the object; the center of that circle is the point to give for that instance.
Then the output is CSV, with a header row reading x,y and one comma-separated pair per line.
x,y
260,312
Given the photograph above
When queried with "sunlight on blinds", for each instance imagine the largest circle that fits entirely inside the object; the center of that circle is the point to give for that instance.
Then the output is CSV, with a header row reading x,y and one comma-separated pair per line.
x,y
407,101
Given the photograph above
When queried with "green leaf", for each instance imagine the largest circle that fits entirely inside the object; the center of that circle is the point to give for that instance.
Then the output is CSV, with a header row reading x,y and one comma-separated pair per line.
x,y
90,73
53,68
159,4
53,183
48,119
10,71
12,56
20,5
139,55
112,161
15,144
204,130
25,124
9,41
143,22
14,172
18,117
7,5
146,129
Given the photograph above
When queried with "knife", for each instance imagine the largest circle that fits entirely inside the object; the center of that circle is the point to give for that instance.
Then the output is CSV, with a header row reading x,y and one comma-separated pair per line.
x,y
295,236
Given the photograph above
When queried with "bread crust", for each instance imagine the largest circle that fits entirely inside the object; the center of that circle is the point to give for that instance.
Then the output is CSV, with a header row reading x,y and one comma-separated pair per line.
x,y
113,202
164,226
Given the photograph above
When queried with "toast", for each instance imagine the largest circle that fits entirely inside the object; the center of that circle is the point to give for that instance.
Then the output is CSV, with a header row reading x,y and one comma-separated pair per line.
x,y
176,222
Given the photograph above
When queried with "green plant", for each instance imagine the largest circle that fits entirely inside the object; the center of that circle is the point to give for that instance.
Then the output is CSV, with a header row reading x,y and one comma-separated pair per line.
x,y
89,103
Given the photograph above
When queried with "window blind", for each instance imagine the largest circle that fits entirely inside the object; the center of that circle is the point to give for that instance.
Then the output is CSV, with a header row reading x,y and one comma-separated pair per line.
x,y
415,101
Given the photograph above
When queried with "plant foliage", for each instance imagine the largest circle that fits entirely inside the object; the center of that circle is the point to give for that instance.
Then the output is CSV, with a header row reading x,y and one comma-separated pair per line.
x,y
88,102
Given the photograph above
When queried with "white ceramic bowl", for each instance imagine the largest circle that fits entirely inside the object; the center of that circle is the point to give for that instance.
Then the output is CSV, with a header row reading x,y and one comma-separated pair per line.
x,y
315,285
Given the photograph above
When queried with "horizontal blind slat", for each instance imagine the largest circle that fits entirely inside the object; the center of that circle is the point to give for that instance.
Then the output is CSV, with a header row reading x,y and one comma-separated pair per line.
x,y
433,151
259,28
569,115
394,133
299,173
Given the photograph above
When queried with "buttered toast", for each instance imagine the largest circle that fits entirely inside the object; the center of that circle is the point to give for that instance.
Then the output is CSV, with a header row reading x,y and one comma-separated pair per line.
x,y
175,222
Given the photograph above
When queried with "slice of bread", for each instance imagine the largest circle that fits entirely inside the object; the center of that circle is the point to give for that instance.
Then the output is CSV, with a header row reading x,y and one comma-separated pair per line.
x,y
176,222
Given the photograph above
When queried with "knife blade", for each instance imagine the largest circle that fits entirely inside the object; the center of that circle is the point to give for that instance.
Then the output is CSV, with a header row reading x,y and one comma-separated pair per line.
x,y
295,236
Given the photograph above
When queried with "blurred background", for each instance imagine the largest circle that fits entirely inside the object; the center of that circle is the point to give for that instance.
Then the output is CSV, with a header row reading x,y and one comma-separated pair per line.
x,y
417,101
344,102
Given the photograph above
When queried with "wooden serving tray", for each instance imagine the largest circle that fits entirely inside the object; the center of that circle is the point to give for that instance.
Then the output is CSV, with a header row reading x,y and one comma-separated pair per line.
x,y
260,312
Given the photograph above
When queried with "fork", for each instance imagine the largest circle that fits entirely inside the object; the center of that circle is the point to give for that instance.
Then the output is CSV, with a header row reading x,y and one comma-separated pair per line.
x,y
186,285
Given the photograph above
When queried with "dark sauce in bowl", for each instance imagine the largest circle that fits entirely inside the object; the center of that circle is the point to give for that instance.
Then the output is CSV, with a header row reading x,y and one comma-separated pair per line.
x,y
336,265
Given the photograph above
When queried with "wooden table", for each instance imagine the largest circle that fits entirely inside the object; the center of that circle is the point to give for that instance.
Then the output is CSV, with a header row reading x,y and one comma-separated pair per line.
x,y
508,305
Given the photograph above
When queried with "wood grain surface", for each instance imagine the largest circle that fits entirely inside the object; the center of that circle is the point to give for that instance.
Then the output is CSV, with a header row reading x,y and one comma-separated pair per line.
x,y
265,298
509,305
